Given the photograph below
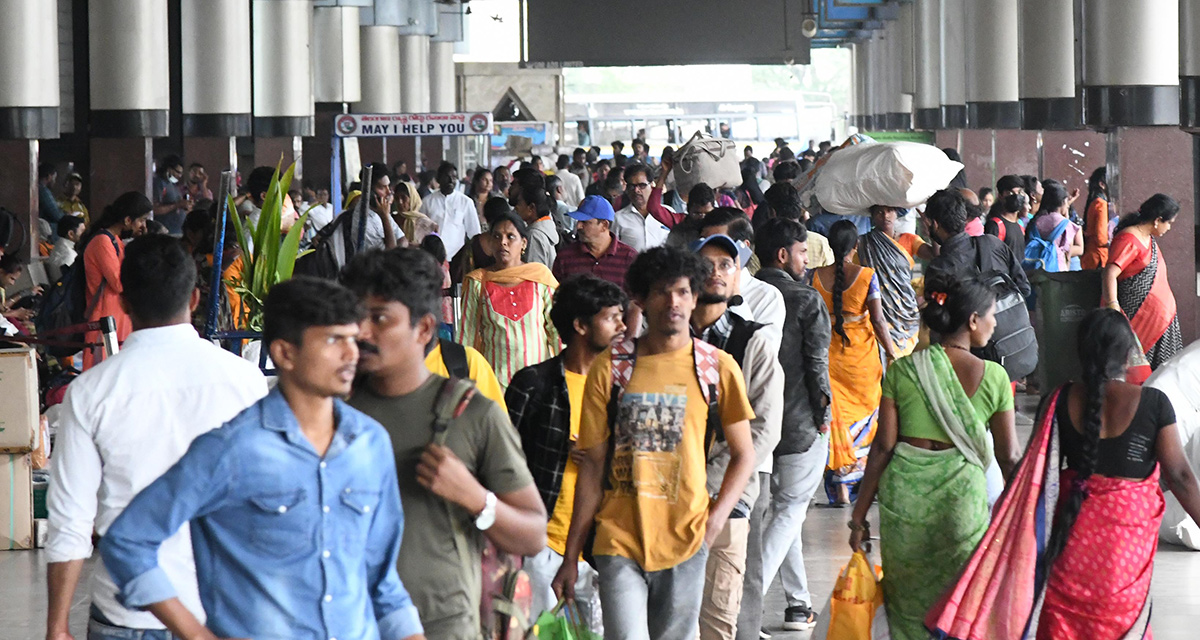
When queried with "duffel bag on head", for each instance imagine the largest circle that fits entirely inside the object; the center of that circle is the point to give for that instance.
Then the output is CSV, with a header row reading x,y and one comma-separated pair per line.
x,y
706,159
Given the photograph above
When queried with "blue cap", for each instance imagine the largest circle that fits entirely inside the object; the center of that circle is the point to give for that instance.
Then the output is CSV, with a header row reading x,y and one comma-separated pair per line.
x,y
594,208
734,247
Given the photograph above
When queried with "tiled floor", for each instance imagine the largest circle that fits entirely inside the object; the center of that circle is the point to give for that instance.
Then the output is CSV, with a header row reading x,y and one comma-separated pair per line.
x,y
1176,587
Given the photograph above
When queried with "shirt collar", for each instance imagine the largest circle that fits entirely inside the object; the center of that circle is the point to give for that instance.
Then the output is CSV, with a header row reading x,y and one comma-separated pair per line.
x,y
718,332
161,335
277,416
957,239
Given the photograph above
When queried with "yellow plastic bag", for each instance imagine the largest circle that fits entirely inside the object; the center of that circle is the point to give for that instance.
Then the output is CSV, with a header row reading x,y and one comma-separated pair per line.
x,y
856,597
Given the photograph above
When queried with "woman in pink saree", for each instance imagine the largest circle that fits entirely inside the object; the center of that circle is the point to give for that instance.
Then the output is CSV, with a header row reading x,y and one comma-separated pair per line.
x,y
1070,554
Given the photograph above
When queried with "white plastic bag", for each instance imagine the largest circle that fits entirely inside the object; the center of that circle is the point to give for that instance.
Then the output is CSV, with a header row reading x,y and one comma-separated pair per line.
x,y
895,174
706,159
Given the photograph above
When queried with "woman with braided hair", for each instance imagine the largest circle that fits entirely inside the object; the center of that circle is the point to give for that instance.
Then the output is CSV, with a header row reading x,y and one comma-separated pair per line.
x,y
860,330
929,459
1078,526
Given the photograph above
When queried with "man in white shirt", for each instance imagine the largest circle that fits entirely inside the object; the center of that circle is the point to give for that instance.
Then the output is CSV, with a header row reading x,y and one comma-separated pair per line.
x,y
634,225
125,422
572,185
316,203
454,213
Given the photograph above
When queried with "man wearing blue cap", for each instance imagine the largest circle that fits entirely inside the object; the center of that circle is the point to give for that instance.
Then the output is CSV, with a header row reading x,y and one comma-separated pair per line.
x,y
757,353
596,250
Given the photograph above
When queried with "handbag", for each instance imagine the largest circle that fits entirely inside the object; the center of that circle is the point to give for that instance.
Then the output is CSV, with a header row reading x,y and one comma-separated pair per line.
x,y
855,609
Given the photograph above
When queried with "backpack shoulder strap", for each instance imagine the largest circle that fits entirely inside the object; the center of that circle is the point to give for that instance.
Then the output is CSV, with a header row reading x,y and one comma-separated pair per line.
x,y
452,401
624,357
1060,229
454,356
708,374
739,337
708,368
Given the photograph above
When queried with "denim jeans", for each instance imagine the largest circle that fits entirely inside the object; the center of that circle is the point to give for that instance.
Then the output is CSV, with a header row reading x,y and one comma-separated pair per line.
x,y
651,605
542,569
750,618
793,483
99,628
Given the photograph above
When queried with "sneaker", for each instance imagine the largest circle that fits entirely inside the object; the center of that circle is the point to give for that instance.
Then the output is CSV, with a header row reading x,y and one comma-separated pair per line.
x,y
763,634
799,618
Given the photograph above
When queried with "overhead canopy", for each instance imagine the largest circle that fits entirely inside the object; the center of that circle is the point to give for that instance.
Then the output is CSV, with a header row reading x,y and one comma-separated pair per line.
x,y
664,32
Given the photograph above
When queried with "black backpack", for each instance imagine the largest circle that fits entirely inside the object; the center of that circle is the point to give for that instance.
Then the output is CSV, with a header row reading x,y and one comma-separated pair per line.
x,y
65,304
454,356
322,262
1014,344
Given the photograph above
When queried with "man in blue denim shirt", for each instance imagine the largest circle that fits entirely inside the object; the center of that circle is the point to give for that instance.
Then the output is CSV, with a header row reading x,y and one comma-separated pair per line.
x,y
293,505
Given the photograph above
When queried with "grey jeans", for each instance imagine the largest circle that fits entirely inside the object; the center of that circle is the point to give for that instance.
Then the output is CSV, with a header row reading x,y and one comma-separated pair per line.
x,y
651,605
750,617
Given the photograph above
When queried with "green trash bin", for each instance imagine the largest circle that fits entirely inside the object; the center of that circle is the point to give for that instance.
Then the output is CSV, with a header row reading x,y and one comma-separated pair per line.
x,y
1063,300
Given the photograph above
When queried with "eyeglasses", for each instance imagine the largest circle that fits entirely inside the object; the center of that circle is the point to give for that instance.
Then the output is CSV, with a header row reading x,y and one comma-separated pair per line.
x,y
725,266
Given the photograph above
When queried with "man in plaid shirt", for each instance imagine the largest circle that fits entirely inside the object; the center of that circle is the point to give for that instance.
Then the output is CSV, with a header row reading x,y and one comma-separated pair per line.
x,y
544,403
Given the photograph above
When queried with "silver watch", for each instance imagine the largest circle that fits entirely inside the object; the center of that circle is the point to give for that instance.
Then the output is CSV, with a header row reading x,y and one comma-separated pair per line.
x,y
487,517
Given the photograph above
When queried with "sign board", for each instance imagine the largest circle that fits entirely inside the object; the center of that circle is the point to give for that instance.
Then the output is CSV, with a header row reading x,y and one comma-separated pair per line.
x,y
401,125
522,134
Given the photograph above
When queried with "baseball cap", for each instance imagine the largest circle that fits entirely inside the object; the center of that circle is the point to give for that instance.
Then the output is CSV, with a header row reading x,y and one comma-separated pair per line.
x,y
594,208
740,251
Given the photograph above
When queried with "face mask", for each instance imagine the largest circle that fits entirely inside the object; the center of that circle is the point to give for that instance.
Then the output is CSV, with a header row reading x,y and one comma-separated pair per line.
x,y
172,179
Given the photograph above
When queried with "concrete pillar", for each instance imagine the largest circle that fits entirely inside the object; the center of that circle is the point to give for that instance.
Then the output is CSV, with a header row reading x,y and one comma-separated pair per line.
x,y
442,90
993,92
1047,65
906,30
953,90
1131,63
414,73
283,90
336,56
129,78
899,103
28,69
380,70
215,42
867,115
927,113
1189,65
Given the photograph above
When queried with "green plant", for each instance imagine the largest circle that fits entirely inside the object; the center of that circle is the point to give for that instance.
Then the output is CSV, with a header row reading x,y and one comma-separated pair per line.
x,y
265,260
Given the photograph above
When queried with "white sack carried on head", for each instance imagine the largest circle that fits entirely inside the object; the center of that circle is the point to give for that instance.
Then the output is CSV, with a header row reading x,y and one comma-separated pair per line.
x,y
894,174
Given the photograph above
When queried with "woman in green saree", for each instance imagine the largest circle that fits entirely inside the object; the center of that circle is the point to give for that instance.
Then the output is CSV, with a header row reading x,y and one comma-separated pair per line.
x,y
932,448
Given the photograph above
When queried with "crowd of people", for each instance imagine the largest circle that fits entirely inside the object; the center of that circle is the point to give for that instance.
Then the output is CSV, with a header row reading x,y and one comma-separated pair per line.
x,y
631,393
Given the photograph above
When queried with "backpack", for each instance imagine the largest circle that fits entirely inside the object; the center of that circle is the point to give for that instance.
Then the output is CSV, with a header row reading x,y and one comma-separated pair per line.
x,y
454,356
65,305
1013,344
506,594
322,261
1040,253
1000,228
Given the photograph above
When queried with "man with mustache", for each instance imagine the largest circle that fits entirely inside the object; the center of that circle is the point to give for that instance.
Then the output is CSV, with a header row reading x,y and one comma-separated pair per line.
x,y
478,478
757,353
293,506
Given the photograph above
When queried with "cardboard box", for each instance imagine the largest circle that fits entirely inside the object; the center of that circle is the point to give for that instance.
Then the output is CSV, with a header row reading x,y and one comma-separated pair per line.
x,y
16,502
19,410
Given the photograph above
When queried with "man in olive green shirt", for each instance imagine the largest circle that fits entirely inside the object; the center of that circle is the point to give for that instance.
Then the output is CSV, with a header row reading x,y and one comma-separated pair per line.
x,y
478,478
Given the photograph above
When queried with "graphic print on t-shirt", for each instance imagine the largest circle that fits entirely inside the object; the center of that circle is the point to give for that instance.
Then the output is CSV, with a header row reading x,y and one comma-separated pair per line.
x,y
646,461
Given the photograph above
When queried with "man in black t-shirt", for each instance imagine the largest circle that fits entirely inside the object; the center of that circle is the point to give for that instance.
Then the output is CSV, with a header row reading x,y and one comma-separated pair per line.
x,y
1003,224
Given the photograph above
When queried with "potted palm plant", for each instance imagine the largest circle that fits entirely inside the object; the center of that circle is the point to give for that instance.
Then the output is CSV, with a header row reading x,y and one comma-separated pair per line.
x,y
268,256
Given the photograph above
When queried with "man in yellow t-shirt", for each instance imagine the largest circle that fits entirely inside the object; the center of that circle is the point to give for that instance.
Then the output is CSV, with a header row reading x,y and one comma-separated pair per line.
x,y
643,481
545,402
477,369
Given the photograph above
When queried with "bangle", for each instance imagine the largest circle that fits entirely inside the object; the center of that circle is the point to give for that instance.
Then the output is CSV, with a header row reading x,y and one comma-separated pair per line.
x,y
865,527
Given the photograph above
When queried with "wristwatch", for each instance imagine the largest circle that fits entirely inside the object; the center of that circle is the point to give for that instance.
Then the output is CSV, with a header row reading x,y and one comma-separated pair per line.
x,y
487,517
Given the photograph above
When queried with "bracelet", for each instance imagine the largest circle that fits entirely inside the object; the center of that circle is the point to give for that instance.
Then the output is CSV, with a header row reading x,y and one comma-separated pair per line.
x,y
865,527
